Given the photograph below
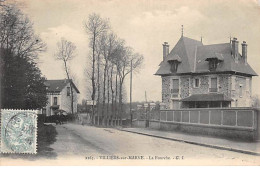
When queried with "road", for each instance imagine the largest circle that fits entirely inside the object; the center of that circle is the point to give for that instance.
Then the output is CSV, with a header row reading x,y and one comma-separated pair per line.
x,y
91,144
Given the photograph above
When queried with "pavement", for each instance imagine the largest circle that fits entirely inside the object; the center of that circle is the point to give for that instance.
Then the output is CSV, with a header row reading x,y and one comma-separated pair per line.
x,y
79,143
88,145
207,141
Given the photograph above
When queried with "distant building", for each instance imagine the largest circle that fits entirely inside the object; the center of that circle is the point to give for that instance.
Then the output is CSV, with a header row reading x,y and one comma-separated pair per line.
x,y
59,96
139,106
152,106
199,76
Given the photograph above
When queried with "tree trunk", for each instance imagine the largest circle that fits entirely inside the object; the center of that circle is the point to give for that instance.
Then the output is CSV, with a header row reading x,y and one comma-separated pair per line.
x,y
93,76
108,98
98,80
112,94
120,99
71,89
116,108
104,93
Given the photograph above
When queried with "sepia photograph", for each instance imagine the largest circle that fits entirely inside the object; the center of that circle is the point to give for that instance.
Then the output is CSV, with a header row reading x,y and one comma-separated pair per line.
x,y
129,82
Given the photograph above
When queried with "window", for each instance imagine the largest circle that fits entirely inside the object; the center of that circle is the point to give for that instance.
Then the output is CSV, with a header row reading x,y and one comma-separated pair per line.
x,y
55,101
196,82
174,66
213,64
175,86
68,91
213,84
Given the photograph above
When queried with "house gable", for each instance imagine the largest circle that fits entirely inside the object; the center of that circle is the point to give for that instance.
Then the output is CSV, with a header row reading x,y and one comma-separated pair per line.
x,y
56,86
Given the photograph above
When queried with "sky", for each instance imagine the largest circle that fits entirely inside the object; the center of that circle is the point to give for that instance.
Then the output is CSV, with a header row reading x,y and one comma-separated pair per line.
x,y
145,25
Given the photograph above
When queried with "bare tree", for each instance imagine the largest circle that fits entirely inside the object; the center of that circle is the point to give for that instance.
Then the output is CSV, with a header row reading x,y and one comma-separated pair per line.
x,y
124,56
106,45
65,53
95,27
17,34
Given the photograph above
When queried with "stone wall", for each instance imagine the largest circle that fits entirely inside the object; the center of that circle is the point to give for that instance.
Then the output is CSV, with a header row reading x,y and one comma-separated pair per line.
x,y
166,93
203,87
224,83
243,100
224,86
185,86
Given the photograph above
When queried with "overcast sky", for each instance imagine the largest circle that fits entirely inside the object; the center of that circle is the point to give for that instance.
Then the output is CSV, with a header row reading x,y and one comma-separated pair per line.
x,y
145,25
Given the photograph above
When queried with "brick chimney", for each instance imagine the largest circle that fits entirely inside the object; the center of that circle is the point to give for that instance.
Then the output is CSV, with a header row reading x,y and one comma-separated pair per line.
x,y
165,50
235,48
244,52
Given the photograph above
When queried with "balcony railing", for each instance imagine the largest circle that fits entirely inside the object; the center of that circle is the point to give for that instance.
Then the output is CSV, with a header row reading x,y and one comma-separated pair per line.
x,y
175,91
213,89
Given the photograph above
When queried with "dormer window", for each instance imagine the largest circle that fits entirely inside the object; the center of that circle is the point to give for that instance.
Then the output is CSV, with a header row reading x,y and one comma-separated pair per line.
x,y
174,61
214,61
174,66
213,64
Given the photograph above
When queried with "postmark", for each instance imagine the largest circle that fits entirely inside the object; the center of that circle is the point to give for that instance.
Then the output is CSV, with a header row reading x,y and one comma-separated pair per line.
x,y
19,131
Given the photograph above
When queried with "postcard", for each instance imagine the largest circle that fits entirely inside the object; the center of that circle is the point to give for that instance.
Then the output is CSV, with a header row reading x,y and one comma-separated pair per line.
x,y
130,83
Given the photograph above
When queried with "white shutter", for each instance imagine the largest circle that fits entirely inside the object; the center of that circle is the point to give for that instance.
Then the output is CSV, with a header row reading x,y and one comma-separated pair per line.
x,y
247,84
233,82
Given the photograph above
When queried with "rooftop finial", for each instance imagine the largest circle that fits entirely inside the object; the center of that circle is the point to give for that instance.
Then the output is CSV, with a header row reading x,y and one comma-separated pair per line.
x,y
201,38
181,30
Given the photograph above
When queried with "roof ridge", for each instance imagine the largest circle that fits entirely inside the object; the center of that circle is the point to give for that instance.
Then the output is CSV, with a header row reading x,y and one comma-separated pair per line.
x,y
214,44
186,53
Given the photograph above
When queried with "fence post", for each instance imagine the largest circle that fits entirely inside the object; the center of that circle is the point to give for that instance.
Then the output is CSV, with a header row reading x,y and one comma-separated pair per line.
x,y
181,116
199,118
209,115
221,123
189,116
253,118
236,118
159,119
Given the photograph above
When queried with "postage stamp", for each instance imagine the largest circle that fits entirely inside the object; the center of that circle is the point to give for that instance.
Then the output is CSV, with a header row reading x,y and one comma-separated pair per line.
x,y
18,131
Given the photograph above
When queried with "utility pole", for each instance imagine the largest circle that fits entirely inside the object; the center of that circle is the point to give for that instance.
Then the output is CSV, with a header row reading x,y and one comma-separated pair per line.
x,y
146,123
131,94
145,97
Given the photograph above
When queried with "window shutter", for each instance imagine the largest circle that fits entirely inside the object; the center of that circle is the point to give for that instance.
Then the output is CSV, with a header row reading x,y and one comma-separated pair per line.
x,y
233,83
247,84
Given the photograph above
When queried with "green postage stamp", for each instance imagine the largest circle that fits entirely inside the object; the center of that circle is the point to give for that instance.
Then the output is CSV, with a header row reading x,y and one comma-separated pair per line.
x,y
18,131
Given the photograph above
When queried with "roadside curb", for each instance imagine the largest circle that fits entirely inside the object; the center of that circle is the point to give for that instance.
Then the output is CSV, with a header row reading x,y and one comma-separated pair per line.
x,y
196,143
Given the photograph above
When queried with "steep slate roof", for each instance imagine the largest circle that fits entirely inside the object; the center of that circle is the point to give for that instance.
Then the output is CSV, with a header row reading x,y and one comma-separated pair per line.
x,y
194,54
56,86
174,57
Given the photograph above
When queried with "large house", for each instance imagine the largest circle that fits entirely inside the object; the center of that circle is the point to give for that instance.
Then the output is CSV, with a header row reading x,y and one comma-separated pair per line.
x,y
59,96
200,76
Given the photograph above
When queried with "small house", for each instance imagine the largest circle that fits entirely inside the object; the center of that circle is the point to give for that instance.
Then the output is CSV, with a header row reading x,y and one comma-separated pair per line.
x,y
59,96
